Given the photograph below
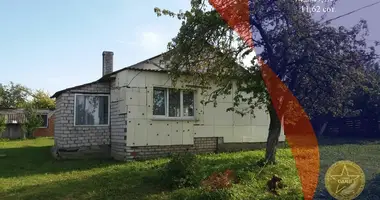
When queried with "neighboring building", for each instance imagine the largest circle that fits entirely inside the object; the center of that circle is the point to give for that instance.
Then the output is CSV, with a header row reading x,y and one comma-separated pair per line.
x,y
15,118
132,114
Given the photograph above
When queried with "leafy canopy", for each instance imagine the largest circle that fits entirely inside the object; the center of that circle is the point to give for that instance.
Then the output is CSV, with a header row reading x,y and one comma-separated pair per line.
x,y
18,96
313,58
33,120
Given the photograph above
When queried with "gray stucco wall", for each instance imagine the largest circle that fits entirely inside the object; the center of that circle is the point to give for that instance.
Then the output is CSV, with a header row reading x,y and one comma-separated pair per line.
x,y
68,136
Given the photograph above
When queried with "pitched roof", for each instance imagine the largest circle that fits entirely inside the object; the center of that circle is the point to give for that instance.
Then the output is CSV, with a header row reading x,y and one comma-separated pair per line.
x,y
137,66
110,75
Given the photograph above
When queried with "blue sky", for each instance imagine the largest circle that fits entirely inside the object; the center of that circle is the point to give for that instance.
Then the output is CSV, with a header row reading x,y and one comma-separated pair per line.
x,y
53,44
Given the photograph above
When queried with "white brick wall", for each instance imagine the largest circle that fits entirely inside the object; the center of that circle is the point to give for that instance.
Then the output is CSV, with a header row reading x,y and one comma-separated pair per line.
x,y
66,134
118,132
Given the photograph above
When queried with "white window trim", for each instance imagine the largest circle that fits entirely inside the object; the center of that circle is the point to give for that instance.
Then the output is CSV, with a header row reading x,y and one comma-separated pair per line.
x,y
93,94
47,121
166,116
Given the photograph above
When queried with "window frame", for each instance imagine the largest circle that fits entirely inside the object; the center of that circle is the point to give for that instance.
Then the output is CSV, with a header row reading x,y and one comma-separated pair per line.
x,y
47,121
166,116
93,94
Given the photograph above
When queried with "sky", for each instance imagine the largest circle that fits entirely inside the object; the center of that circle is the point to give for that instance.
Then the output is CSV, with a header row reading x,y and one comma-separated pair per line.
x,y
53,45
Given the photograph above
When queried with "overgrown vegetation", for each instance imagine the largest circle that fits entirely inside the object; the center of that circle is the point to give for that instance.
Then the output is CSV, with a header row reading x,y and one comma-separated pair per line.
x,y
33,121
18,96
29,172
3,124
181,171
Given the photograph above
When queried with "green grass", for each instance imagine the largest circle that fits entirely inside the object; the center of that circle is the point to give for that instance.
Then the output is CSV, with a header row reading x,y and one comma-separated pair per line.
x,y
29,172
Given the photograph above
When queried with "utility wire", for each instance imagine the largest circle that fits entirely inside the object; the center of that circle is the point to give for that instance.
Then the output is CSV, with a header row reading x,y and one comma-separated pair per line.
x,y
328,21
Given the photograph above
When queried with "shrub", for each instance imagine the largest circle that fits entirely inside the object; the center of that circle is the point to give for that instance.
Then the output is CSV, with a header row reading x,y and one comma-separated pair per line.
x,y
181,171
3,124
202,194
219,181
218,194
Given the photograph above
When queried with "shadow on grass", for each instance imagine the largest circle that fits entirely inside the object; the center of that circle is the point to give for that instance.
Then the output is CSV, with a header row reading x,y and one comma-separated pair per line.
x,y
38,160
119,183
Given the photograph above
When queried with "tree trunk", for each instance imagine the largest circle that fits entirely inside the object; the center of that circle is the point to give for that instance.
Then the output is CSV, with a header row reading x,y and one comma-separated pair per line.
x,y
273,136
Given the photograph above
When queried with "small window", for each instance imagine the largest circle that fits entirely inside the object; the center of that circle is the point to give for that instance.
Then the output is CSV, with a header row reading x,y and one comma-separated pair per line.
x,y
159,101
44,121
173,103
91,110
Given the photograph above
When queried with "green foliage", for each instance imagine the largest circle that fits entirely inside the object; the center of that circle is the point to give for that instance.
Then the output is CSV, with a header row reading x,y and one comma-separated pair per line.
x,y
320,64
183,170
222,194
201,194
3,124
302,50
29,160
18,96
33,121
13,95
42,100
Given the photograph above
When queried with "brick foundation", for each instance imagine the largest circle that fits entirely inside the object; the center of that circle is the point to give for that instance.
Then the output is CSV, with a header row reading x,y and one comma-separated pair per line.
x,y
201,145
84,152
234,147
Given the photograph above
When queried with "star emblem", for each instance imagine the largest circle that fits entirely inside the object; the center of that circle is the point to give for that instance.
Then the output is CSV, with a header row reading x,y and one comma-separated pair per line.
x,y
343,179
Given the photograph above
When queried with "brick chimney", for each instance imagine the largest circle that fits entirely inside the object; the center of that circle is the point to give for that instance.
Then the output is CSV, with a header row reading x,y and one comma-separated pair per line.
x,y
107,62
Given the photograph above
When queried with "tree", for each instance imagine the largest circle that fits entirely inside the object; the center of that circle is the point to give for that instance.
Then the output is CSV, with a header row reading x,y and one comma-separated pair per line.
x,y
311,57
42,100
13,95
33,121
3,124
17,96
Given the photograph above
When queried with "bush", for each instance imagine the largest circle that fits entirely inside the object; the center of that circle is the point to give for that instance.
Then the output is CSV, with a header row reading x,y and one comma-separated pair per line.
x,y
218,194
202,194
181,171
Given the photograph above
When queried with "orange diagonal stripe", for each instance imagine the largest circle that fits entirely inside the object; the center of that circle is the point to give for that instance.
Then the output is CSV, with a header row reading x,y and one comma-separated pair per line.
x,y
297,127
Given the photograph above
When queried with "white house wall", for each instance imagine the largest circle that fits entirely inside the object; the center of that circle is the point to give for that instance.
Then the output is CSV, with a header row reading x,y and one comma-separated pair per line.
x,y
134,90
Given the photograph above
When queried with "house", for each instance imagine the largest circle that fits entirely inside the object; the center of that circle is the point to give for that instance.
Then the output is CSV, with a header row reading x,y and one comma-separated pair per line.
x,y
14,118
134,113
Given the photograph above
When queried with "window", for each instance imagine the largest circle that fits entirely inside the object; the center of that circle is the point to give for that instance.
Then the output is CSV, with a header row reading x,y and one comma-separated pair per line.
x,y
92,110
44,120
173,103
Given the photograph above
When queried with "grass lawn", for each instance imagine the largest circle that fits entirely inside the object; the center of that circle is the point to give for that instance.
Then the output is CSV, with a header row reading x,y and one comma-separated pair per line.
x,y
29,172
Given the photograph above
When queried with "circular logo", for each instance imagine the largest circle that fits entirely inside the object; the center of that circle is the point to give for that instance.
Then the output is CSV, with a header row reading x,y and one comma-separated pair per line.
x,y
344,180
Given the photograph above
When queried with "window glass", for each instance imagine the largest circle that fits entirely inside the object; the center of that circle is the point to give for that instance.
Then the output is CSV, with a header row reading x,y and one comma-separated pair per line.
x,y
44,120
91,110
159,101
188,103
167,102
174,103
